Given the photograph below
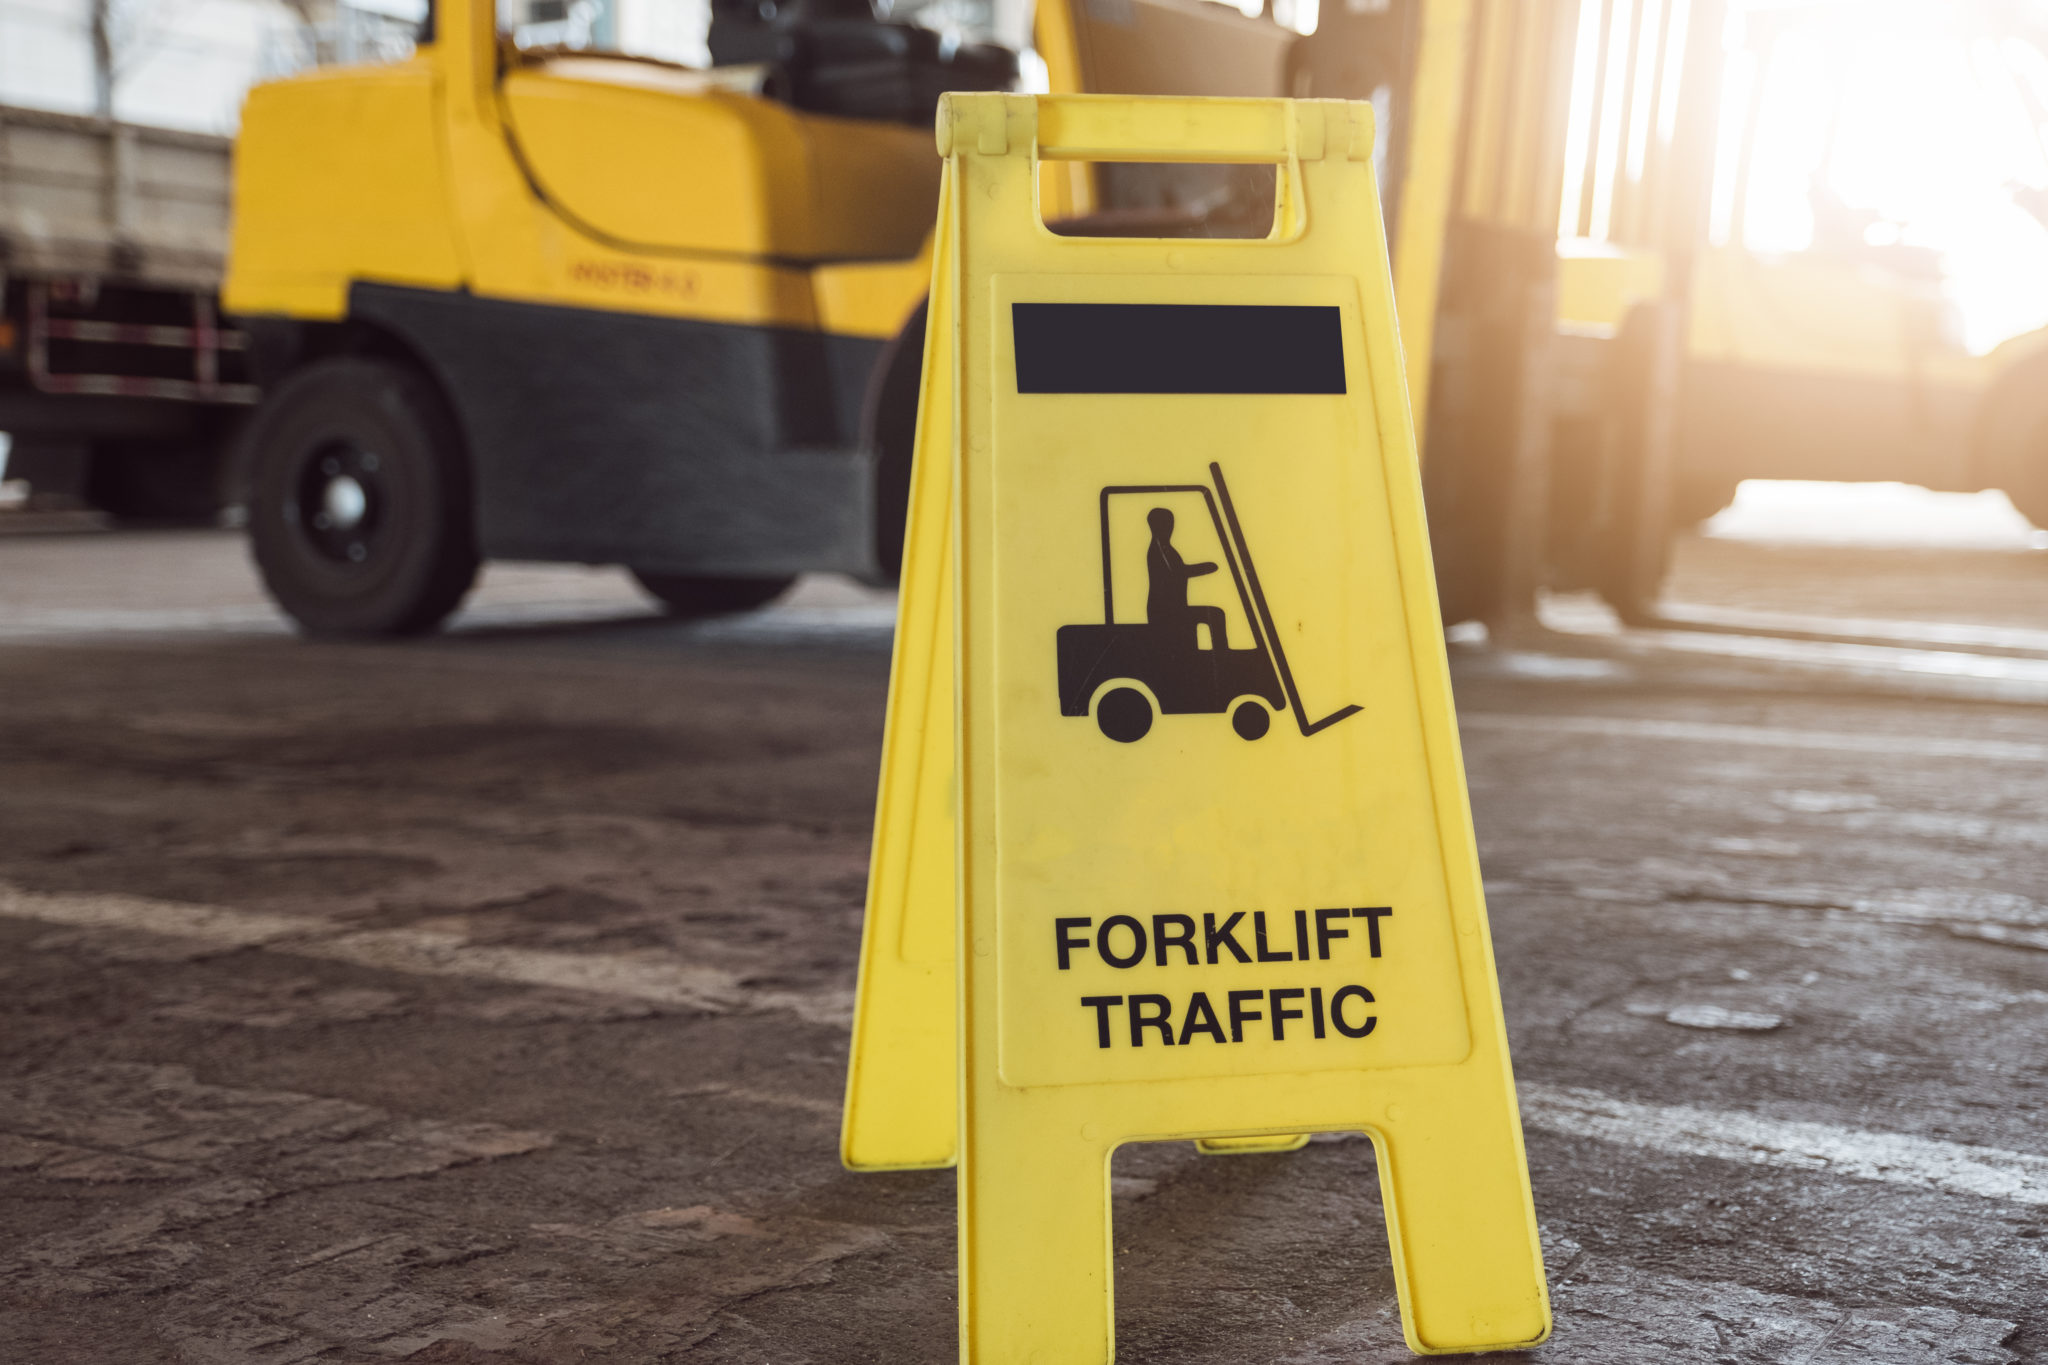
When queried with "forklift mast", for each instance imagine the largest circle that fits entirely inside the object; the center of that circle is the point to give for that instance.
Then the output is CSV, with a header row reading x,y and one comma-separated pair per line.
x,y
1545,450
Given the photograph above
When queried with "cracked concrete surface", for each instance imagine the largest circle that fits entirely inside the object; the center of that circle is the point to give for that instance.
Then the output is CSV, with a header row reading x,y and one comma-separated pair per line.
x,y
483,999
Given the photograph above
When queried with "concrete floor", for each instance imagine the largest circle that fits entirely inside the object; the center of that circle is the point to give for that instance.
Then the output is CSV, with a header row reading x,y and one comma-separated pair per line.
x,y
484,998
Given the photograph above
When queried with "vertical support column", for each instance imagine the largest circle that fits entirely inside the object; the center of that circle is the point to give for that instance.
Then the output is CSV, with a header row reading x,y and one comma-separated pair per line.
x,y
466,44
1646,440
122,155
1526,533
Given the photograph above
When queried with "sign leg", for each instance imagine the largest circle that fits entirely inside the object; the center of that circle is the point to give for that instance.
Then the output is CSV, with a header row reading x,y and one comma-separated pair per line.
x,y
1467,1257
1035,1274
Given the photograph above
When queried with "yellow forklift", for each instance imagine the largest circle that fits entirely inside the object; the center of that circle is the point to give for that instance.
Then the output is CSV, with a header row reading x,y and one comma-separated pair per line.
x,y
568,305
575,305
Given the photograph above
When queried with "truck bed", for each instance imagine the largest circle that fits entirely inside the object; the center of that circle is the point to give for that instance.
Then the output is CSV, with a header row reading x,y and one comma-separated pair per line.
x,y
86,197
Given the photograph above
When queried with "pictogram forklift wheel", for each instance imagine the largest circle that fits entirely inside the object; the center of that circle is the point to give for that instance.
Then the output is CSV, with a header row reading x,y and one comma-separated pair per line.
x,y
1125,714
1250,719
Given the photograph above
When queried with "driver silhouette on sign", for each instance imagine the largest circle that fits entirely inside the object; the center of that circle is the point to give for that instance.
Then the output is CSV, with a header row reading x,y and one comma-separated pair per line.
x,y
1166,600
1122,671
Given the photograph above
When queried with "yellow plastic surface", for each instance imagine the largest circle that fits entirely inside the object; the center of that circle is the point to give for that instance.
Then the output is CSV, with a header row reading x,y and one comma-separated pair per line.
x,y
720,170
871,298
1809,312
339,176
1598,283
1029,831
577,182
902,1086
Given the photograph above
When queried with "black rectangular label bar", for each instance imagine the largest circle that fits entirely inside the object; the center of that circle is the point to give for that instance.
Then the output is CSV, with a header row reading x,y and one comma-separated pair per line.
x,y
1177,348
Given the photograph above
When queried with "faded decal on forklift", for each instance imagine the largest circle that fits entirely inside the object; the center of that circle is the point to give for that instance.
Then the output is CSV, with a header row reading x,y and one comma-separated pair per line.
x,y
634,278
1179,658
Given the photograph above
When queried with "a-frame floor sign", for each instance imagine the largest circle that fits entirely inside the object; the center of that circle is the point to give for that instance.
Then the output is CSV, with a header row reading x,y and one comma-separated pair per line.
x,y
1173,840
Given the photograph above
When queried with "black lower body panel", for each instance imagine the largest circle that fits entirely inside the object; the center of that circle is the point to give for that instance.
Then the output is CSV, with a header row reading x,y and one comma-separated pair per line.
x,y
671,445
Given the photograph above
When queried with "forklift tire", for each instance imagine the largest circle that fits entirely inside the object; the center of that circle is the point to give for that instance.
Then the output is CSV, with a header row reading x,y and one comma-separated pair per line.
x,y
359,512
1250,720
1124,714
691,595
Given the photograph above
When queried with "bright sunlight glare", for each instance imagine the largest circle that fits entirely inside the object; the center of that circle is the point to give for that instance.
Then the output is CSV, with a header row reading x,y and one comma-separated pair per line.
x,y
1797,512
1904,126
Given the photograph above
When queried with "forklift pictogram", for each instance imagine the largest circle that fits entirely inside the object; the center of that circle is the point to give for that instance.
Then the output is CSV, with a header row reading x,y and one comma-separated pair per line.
x,y
1123,669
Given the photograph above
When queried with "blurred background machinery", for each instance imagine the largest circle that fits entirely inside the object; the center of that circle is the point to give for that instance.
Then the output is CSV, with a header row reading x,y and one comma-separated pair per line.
x,y
643,277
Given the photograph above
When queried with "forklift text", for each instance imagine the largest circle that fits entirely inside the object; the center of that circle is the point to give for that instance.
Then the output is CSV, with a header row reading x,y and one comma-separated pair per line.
x,y
1125,941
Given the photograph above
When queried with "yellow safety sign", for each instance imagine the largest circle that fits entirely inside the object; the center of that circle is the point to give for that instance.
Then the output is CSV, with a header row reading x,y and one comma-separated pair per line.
x,y
1172,839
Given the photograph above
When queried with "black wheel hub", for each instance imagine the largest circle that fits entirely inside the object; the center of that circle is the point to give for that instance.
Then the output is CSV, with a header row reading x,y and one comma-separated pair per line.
x,y
340,502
